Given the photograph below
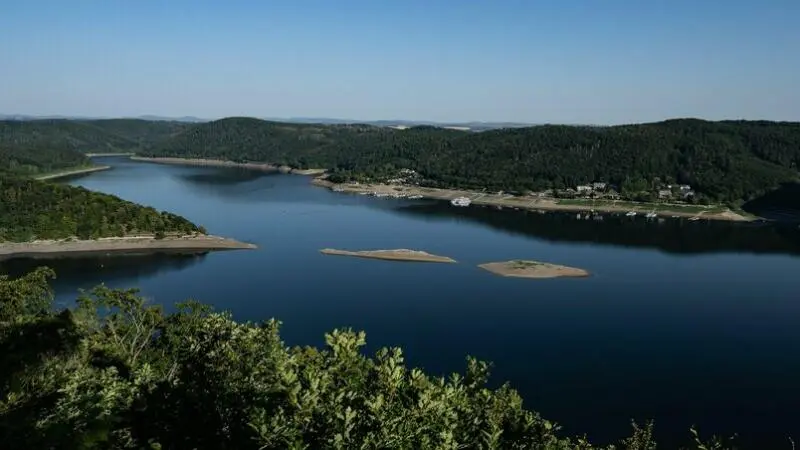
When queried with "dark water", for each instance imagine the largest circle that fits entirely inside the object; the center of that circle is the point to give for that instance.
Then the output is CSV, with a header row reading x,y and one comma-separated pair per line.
x,y
684,322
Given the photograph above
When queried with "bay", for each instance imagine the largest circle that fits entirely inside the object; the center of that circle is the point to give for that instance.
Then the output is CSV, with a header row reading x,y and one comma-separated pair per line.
x,y
687,323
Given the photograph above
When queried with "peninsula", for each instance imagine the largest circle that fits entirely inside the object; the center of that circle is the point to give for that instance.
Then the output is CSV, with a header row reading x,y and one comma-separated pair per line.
x,y
393,255
532,269
127,244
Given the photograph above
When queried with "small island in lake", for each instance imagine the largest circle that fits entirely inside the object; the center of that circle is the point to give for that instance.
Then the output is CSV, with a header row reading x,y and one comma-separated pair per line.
x,y
532,269
393,255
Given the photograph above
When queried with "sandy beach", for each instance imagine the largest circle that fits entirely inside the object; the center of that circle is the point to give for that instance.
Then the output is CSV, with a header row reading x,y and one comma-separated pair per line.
x,y
51,248
532,203
69,173
264,167
393,255
532,269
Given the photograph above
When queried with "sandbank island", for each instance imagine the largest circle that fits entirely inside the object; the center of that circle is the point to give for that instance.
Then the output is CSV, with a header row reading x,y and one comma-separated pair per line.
x,y
393,255
128,244
532,269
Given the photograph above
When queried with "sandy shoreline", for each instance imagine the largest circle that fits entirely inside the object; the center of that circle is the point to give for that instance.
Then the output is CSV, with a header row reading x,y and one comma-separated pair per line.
x,y
532,269
477,198
532,203
51,248
100,155
264,167
393,255
69,173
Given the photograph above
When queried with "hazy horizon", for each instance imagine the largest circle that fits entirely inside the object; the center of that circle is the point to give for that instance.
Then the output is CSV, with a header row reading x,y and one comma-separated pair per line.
x,y
571,62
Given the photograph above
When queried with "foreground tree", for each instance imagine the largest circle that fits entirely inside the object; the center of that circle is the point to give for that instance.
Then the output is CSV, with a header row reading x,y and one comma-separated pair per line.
x,y
116,373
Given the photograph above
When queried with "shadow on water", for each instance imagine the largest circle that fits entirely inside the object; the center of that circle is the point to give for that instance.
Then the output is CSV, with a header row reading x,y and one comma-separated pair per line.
x,y
222,177
670,235
75,272
782,204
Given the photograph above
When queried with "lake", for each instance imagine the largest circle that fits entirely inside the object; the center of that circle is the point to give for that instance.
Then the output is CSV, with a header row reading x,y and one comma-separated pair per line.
x,y
688,323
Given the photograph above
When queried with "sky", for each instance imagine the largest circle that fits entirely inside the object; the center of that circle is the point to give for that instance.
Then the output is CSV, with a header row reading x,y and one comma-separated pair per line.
x,y
535,61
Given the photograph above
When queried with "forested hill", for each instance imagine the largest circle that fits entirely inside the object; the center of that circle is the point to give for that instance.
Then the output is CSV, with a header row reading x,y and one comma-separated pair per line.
x,y
31,209
38,146
29,148
726,161
141,134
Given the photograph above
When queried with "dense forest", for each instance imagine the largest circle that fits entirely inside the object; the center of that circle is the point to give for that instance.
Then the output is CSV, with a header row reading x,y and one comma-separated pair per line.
x,y
31,209
38,146
141,134
725,161
30,148
117,373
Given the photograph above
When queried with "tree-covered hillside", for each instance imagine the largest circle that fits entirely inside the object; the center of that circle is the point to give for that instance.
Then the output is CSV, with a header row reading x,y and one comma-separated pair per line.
x,y
31,148
726,161
116,373
143,133
31,209
39,146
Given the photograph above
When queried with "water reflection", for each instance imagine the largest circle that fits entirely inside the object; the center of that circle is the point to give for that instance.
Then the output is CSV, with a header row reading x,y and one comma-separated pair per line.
x,y
671,235
75,272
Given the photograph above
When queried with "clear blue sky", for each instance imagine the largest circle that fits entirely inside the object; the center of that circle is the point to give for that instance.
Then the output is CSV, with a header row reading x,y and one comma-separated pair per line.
x,y
566,61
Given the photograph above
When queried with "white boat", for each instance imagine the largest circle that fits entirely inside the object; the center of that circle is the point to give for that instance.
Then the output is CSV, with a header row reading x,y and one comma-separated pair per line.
x,y
651,215
630,213
460,201
414,197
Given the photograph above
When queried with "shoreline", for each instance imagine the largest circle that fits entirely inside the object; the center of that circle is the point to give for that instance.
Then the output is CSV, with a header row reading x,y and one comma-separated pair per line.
x,y
127,244
530,203
69,173
477,198
100,155
264,167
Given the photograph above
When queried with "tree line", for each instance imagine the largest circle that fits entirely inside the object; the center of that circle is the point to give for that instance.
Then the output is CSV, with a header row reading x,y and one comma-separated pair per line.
x,y
728,161
114,372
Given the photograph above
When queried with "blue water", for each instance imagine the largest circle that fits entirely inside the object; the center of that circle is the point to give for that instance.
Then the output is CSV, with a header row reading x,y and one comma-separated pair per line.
x,y
684,323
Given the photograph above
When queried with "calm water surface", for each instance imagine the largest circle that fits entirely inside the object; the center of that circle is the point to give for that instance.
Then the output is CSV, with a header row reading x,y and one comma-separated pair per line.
x,y
687,323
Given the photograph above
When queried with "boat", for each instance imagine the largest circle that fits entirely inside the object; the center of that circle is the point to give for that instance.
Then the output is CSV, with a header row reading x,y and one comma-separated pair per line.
x,y
651,215
414,197
461,201
630,213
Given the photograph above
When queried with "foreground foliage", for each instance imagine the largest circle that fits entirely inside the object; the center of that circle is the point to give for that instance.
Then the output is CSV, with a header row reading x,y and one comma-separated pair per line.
x,y
115,373
31,209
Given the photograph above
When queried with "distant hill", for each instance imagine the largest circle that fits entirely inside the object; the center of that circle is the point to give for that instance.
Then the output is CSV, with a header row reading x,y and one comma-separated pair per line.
x,y
68,117
474,126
